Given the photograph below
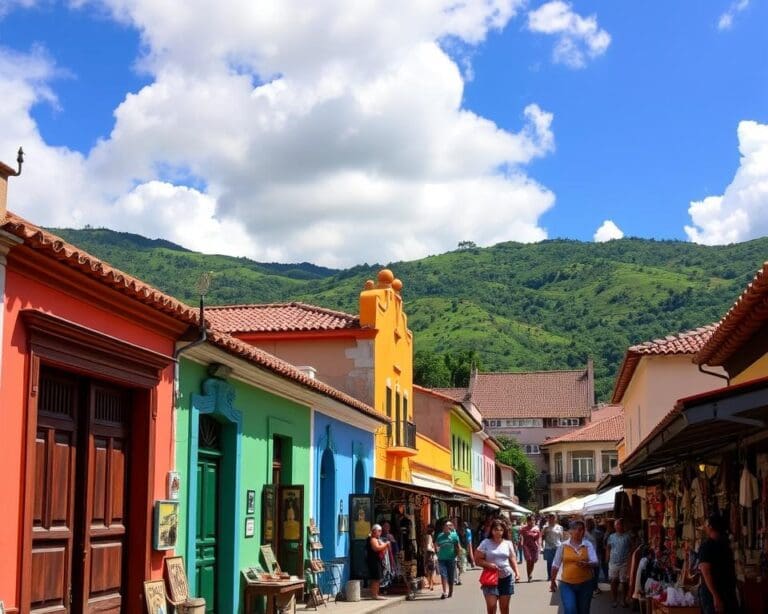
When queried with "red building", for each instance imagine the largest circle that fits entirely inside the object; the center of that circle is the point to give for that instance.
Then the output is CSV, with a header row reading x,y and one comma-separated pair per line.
x,y
86,443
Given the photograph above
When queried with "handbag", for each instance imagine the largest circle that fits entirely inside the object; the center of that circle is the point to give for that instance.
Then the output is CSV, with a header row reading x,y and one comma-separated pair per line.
x,y
489,577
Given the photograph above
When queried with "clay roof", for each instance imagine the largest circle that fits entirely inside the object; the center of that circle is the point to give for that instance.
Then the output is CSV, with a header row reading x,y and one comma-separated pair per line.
x,y
54,247
680,344
747,315
605,429
280,367
279,317
457,394
437,393
73,257
538,394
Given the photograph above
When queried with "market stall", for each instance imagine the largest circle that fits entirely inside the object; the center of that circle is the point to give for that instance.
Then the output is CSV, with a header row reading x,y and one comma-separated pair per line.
x,y
709,455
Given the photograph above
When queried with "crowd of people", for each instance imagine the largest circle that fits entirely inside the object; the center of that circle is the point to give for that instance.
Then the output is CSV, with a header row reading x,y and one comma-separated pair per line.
x,y
579,552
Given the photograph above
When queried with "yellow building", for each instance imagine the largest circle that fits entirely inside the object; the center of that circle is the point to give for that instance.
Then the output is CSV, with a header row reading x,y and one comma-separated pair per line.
x,y
381,309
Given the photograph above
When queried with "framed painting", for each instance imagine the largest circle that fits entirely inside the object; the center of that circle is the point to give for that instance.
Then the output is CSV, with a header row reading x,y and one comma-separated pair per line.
x,y
177,579
154,597
361,510
250,527
268,514
166,526
270,562
250,502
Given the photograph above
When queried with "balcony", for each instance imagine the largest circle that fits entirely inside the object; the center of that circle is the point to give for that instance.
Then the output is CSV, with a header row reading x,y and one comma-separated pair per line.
x,y
402,438
580,478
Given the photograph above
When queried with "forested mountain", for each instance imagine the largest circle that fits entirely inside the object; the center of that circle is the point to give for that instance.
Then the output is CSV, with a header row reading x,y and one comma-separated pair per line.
x,y
547,305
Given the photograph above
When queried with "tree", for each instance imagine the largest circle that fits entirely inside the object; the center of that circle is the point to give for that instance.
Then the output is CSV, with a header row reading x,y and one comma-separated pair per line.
x,y
465,245
512,454
460,365
430,370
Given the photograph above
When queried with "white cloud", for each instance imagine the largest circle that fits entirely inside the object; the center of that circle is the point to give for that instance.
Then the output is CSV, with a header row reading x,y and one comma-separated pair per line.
x,y
741,213
331,132
607,232
579,38
726,19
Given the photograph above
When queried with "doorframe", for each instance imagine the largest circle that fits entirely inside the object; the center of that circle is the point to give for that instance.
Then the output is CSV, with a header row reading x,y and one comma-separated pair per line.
x,y
81,350
218,400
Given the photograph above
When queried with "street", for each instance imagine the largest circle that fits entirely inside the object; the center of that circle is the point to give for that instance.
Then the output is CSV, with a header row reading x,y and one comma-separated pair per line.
x,y
530,598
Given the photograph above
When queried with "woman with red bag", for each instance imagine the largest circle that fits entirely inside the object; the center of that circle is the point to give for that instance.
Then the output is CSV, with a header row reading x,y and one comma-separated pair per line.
x,y
498,558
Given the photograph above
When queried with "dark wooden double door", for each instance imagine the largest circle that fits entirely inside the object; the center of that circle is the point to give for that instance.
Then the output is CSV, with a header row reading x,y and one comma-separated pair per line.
x,y
79,528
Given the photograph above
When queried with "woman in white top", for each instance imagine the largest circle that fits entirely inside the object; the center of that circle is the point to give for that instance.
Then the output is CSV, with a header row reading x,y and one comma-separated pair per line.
x,y
498,552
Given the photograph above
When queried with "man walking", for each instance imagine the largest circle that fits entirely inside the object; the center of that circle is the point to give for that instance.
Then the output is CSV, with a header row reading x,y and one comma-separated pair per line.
x,y
617,551
553,536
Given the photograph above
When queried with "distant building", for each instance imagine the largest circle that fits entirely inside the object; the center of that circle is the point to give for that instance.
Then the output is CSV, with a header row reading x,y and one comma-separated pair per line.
x,y
580,459
532,407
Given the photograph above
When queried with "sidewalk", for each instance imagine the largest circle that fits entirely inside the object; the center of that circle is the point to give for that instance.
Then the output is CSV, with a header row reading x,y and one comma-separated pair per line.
x,y
364,606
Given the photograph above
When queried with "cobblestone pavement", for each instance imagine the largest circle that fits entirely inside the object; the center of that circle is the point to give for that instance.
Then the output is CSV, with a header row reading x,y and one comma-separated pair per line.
x,y
529,598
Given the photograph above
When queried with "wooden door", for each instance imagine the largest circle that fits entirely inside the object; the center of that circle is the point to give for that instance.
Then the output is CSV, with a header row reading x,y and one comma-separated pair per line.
x,y
104,535
54,523
79,531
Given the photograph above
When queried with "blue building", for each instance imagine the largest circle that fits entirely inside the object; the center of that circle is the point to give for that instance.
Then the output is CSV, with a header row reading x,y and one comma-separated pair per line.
x,y
343,460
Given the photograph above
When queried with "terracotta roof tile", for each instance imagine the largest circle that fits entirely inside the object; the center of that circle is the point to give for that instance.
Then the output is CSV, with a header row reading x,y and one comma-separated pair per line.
x,y
747,315
539,394
457,394
688,342
66,253
279,317
280,367
680,344
58,249
605,429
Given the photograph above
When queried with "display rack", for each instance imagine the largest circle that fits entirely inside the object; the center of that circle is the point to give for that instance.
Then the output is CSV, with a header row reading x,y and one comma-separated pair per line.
x,y
315,566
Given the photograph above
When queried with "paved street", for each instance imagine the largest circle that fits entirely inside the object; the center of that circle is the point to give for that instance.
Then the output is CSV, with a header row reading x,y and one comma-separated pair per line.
x,y
533,598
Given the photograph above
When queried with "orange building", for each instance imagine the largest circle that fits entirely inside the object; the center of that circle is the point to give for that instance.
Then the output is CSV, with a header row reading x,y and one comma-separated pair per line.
x,y
86,439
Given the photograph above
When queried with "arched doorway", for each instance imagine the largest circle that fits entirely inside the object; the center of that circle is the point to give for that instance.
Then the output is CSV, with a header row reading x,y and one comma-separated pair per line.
x,y
328,500
360,476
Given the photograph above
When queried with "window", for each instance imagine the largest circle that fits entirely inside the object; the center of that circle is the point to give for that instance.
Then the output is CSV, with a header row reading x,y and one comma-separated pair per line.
x,y
559,464
568,422
523,422
583,467
532,448
609,460
389,402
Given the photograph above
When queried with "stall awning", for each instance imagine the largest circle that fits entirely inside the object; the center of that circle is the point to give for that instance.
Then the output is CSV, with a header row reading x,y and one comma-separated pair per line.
x,y
572,505
601,503
702,426
428,481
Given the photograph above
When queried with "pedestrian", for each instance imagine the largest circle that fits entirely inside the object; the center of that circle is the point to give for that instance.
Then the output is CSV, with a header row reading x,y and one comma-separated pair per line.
x,y
599,533
375,550
591,536
717,592
430,557
530,535
617,551
461,558
578,560
552,535
468,540
515,533
499,553
447,550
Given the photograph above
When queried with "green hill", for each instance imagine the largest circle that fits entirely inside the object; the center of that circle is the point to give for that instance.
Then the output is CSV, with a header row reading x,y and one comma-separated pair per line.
x,y
547,305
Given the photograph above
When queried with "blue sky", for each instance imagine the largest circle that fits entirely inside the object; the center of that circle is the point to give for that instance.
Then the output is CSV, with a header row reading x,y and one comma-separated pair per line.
x,y
342,134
